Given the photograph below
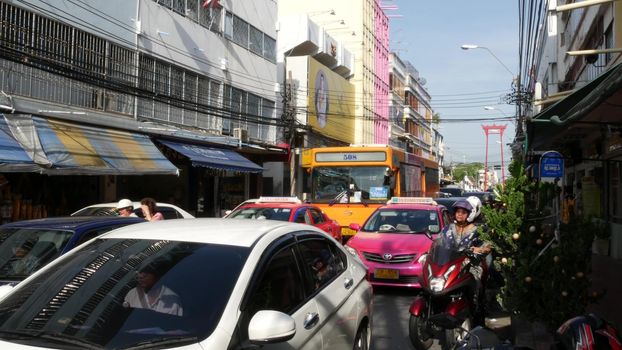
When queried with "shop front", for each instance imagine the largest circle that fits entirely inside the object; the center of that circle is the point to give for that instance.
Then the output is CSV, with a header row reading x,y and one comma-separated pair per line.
x,y
585,127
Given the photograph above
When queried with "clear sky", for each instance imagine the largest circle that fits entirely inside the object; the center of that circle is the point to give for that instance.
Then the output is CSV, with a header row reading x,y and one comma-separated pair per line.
x,y
461,82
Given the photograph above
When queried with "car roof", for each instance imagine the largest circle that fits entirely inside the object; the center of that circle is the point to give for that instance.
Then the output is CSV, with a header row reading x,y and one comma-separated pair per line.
x,y
73,222
411,206
136,205
273,205
206,230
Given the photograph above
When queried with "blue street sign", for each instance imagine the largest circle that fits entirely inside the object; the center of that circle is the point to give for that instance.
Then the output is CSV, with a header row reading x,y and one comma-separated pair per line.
x,y
551,165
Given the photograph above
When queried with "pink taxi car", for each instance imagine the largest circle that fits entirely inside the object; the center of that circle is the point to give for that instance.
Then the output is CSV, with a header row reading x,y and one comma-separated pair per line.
x,y
392,240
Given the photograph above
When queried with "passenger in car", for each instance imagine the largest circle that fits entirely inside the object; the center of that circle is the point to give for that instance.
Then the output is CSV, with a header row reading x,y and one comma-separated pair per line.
x,y
148,295
322,267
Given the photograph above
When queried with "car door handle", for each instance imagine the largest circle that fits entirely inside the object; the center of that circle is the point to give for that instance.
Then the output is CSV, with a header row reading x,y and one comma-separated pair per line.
x,y
348,283
311,320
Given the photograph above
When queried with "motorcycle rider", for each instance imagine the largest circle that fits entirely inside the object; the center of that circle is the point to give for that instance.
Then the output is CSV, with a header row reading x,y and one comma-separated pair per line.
x,y
464,233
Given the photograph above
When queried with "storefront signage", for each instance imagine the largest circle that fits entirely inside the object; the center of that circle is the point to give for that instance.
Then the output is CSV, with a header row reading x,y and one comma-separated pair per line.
x,y
551,165
351,157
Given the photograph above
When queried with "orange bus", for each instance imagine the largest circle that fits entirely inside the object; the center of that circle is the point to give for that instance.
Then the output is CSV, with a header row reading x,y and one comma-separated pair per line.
x,y
349,183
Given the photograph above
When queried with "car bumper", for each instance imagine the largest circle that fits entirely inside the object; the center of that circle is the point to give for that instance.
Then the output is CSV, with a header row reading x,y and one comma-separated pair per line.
x,y
403,276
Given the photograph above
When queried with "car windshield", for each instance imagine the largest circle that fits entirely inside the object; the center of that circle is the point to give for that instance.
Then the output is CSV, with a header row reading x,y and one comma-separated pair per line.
x,y
265,213
120,293
25,250
402,221
331,183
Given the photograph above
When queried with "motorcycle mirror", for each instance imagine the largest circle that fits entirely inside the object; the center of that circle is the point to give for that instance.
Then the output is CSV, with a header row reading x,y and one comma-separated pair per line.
x,y
428,234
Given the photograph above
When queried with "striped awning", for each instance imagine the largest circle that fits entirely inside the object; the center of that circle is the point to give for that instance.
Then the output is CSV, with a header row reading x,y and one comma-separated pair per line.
x,y
64,148
13,158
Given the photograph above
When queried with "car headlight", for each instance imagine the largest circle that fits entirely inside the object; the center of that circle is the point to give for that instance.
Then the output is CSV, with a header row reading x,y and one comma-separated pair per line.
x,y
437,284
422,259
351,250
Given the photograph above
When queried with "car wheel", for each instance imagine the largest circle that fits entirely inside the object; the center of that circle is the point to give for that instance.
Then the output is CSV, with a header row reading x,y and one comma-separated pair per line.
x,y
361,341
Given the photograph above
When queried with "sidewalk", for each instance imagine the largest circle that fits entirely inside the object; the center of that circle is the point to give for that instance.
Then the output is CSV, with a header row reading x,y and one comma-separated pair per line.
x,y
606,276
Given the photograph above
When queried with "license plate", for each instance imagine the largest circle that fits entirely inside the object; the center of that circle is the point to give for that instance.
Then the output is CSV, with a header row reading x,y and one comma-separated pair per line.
x,y
389,274
346,231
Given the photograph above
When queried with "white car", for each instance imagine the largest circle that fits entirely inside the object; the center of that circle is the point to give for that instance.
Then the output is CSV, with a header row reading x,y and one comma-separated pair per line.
x,y
219,284
169,211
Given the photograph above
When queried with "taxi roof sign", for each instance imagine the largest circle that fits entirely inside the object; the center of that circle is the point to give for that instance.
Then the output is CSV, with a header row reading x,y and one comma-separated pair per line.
x,y
264,199
412,200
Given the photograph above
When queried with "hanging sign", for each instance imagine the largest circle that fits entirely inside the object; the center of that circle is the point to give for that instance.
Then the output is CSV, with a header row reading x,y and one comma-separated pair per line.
x,y
551,165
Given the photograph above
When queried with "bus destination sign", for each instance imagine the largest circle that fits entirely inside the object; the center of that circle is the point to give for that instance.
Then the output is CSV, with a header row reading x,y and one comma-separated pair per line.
x,y
351,157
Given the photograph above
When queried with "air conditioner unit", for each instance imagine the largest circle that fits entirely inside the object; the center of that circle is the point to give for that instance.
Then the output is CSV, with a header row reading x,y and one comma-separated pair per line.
x,y
240,134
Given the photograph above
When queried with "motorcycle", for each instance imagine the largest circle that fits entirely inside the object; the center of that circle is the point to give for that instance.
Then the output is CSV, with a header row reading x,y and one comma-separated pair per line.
x,y
445,304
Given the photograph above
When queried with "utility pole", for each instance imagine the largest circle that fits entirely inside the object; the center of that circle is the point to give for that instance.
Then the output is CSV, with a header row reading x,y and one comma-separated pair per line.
x,y
288,117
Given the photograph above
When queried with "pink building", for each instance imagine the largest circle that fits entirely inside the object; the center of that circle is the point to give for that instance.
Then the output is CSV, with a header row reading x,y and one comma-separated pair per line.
x,y
381,75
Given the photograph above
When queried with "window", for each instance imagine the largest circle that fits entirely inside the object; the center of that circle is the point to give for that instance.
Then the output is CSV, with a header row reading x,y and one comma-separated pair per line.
x,y
317,216
240,31
302,217
255,42
269,48
280,287
89,289
321,260
179,6
228,32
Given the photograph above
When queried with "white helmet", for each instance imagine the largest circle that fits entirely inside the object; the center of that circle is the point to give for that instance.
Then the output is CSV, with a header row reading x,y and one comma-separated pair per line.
x,y
477,207
125,203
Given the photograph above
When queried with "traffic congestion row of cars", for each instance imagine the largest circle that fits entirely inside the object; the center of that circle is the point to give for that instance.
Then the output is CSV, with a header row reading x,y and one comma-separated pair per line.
x,y
262,281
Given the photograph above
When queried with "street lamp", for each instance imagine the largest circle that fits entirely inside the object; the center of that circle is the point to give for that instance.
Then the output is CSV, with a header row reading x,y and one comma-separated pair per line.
x,y
489,108
471,47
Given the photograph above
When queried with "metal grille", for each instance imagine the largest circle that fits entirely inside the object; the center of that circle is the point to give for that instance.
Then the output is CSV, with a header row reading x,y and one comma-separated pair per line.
x,y
240,31
397,259
255,42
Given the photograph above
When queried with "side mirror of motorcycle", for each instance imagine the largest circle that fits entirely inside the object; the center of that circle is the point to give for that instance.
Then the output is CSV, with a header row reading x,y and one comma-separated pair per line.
x,y
428,234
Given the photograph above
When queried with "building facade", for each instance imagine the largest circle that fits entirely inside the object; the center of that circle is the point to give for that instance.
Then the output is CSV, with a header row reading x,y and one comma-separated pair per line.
x,y
172,71
362,28
577,81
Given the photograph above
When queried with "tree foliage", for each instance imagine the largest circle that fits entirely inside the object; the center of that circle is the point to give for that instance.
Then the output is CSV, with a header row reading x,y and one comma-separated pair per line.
x,y
469,169
546,279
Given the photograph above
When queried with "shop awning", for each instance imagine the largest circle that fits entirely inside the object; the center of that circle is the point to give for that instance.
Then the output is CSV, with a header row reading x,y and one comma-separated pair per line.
x,y
13,158
210,157
592,105
71,149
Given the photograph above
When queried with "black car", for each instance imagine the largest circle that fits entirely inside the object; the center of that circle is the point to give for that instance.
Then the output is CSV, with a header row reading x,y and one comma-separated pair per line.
x,y
454,191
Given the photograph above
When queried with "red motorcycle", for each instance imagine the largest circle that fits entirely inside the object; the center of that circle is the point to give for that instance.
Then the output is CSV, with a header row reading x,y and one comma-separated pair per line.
x,y
445,304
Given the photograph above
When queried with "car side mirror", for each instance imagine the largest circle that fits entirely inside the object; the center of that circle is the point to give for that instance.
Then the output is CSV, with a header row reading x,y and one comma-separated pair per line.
x,y
355,227
269,326
227,212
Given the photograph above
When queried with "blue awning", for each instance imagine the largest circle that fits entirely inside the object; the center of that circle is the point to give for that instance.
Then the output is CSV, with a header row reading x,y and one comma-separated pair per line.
x,y
13,158
216,158
65,148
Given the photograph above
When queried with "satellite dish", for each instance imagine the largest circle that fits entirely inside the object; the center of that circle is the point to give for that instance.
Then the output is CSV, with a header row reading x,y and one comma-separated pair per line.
x,y
422,81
